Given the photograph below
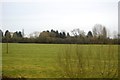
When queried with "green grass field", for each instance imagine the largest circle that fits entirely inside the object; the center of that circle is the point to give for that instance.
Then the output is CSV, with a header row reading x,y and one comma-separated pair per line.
x,y
44,61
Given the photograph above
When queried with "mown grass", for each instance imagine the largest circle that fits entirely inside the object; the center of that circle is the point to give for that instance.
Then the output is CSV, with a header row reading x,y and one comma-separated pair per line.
x,y
52,60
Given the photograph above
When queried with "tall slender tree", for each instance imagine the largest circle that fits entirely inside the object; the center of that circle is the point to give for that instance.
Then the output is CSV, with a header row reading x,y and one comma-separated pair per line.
x,y
104,32
7,37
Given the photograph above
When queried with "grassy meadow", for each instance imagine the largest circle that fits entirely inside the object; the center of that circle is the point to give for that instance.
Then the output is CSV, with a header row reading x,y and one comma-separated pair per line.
x,y
59,60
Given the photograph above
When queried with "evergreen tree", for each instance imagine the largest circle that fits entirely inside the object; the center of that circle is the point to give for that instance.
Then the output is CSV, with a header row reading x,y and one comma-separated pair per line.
x,y
7,34
89,35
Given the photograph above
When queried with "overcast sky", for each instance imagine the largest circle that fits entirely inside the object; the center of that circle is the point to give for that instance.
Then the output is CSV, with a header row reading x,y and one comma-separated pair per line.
x,y
39,15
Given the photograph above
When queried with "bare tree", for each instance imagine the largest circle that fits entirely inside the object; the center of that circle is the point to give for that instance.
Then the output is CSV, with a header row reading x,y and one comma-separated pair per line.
x,y
77,32
99,31
118,35
34,34
74,32
115,34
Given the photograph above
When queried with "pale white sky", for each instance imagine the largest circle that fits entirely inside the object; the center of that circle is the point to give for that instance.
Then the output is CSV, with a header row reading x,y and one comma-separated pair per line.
x,y
39,15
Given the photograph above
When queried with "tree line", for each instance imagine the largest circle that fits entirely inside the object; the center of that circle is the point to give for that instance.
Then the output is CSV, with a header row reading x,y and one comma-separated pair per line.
x,y
98,35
